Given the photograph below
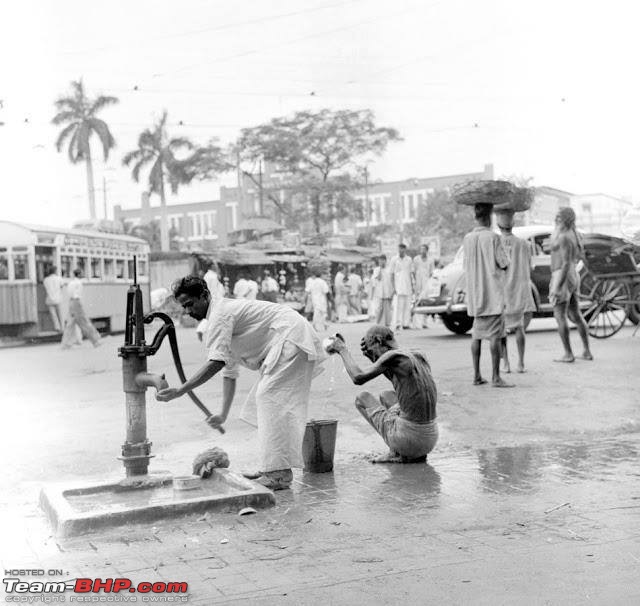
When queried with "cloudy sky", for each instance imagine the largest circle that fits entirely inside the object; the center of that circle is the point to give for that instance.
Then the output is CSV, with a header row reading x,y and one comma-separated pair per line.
x,y
546,89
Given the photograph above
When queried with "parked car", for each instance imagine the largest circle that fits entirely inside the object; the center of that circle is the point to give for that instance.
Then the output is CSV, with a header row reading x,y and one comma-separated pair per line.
x,y
449,298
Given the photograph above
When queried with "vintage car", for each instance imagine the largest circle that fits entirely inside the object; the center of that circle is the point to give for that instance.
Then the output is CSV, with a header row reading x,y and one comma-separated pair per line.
x,y
447,297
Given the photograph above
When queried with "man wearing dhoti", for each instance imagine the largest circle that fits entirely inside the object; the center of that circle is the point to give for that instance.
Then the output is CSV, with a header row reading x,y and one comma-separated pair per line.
x,y
422,270
517,285
484,262
276,341
401,272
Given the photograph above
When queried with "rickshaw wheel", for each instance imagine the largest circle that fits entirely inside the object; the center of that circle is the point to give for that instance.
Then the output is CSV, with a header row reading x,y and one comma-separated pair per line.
x,y
608,310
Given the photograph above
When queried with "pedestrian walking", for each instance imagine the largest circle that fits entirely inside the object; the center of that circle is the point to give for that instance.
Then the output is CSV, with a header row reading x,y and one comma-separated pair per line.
x,y
402,275
517,286
405,418
269,287
53,285
383,292
354,281
566,251
422,270
272,339
341,294
317,290
77,316
484,262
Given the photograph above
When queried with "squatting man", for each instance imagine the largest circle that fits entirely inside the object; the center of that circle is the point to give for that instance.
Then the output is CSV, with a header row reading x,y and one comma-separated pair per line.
x,y
405,418
272,339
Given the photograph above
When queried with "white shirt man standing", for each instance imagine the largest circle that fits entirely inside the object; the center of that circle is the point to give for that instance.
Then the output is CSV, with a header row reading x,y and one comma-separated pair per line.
x,y
422,270
53,285
383,292
318,290
402,275
269,287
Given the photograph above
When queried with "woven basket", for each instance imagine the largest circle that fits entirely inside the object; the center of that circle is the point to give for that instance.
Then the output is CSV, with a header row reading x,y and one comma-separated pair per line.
x,y
519,201
483,192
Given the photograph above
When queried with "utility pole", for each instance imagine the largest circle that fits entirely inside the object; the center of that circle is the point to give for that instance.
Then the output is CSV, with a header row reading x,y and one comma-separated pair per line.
x,y
104,196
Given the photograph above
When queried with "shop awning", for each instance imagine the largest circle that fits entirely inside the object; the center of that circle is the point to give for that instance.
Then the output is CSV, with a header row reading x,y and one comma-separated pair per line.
x,y
235,256
288,258
342,255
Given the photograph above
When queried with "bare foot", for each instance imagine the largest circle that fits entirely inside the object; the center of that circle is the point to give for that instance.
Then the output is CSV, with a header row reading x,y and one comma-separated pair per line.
x,y
566,359
479,381
586,355
500,383
390,457
521,368
507,369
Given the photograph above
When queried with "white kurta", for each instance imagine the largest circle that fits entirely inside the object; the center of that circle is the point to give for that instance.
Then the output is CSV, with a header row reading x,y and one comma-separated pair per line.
x,y
279,343
401,267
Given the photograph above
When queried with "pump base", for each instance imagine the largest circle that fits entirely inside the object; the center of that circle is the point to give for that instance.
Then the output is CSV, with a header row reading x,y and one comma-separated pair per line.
x,y
89,507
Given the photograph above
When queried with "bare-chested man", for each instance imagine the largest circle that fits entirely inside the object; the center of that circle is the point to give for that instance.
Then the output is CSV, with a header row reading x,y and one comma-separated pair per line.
x,y
566,251
406,417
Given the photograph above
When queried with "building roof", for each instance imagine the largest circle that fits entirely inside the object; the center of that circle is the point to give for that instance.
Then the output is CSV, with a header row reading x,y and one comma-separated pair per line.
x,y
262,225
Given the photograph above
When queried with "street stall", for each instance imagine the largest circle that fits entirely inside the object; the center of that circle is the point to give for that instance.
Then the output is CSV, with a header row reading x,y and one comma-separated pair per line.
x,y
291,274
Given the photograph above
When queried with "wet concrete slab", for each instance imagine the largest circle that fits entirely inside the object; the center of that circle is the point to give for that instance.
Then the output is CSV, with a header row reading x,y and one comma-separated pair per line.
x,y
89,506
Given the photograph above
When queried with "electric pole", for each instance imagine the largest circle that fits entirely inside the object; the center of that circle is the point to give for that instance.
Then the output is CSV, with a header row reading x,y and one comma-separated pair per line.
x,y
260,193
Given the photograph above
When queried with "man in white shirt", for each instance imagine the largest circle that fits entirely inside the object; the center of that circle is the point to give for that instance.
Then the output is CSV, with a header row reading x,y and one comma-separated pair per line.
x,y
53,285
422,270
355,292
269,287
272,339
402,275
242,288
318,289
383,292
217,291
77,317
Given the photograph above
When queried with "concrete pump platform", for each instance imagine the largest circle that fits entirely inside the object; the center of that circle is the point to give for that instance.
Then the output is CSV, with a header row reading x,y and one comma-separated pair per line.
x,y
85,507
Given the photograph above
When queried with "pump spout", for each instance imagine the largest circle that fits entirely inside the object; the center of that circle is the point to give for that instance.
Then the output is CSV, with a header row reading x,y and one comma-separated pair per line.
x,y
148,379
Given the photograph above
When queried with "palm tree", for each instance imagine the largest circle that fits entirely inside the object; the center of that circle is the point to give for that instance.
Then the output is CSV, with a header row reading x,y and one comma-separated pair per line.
x,y
155,148
78,112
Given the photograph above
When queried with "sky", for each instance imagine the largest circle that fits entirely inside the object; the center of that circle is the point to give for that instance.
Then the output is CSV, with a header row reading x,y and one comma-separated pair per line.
x,y
544,89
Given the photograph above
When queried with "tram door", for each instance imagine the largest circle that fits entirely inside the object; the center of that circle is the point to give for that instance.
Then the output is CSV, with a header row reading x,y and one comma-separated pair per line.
x,y
45,258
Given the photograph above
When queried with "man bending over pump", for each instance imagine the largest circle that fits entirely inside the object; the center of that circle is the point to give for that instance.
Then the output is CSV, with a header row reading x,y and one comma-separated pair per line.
x,y
406,416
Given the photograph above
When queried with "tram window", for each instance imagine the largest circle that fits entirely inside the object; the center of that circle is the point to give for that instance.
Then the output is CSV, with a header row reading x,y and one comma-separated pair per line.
x,y
4,264
109,270
81,264
96,269
120,268
20,264
66,263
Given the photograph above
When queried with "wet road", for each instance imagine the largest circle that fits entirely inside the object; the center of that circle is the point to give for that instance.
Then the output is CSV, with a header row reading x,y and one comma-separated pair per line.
x,y
532,494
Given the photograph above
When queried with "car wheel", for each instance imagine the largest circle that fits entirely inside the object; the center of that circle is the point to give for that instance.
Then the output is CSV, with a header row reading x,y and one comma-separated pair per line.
x,y
459,323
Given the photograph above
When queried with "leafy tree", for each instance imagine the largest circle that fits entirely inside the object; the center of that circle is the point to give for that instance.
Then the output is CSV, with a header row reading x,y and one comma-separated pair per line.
x,y
441,216
78,112
151,233
157,150
317,152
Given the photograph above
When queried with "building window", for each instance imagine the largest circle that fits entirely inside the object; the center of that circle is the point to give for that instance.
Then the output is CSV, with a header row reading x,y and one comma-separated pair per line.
x,y
130,269
66,263
212,221
81,264
20,264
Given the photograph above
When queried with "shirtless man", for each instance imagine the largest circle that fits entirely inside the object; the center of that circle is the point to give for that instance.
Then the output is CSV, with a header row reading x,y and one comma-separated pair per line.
x,y
566,251
405,418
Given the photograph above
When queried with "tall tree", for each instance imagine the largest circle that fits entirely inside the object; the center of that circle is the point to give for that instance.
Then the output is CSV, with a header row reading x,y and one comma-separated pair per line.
x,y
441,216
78,112
157,150
318,151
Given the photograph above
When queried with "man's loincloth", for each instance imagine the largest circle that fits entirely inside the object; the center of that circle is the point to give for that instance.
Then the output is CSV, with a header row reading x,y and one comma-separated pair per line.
x,y
407,438
488,327
570,287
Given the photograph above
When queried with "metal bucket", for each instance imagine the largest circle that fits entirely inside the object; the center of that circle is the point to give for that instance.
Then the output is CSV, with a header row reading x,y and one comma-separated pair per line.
x,y
319,445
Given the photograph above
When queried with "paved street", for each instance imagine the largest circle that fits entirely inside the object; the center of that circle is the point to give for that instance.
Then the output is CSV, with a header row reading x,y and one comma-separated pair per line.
x,y
532,495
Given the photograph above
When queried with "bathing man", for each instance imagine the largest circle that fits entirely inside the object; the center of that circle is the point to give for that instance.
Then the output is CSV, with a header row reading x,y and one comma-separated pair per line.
x,y
272,339
405,418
